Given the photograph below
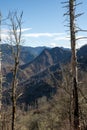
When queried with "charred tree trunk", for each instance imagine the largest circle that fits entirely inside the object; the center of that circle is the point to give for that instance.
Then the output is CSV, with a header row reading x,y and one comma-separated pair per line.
x,y
15,39
74,64
14,83
0,78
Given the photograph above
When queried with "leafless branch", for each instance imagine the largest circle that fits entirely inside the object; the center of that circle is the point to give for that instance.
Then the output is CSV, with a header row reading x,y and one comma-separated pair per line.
x,y
78,15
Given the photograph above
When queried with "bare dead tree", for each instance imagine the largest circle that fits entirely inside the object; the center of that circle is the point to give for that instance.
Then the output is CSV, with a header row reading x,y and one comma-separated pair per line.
x,y
71,6
74,64
15,40
0,76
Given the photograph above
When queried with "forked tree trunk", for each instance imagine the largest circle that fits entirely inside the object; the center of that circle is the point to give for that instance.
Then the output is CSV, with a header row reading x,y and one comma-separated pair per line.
x,y
74,65
15,37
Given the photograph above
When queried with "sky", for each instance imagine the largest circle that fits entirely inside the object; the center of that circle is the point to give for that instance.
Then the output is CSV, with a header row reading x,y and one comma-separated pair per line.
x,y
43,21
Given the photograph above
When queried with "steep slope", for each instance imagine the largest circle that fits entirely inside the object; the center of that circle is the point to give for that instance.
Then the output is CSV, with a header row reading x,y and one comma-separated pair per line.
x,y
82,57
46,59
30,53
40,77
44,82
27,54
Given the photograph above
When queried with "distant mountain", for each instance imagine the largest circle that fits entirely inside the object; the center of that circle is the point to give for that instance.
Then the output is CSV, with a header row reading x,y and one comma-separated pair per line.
x,y
36,76
43,84
46,72
39,78
30,53
27,54
82,57
46,59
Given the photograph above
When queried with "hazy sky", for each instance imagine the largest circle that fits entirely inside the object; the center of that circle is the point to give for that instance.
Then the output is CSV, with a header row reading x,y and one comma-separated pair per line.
x,y
44,21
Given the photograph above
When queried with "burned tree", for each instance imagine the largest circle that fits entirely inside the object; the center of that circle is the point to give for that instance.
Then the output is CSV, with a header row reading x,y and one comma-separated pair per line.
x,y
0,76
15,41
71,5
74,64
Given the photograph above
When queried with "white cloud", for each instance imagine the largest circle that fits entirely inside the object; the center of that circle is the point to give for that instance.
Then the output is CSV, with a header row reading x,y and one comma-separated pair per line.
x,y
42,34
81,42
53,44
5,32
46,39
25,29
22,30
62,38
61,44
4,36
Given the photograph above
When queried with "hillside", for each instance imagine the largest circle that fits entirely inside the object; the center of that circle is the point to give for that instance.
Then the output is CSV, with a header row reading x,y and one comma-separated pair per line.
x,y
46,59
27,54
40,77
46,73
82,57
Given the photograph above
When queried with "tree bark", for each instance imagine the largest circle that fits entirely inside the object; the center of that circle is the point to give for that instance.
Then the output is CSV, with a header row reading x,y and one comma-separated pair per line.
x,y
74,64
0,77
14,97
15,38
